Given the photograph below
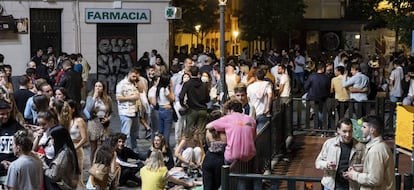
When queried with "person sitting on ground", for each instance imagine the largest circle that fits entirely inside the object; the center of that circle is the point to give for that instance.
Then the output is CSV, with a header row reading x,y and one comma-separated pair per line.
x,y
106,155
128,170
160,144
154,174
178,173
190,151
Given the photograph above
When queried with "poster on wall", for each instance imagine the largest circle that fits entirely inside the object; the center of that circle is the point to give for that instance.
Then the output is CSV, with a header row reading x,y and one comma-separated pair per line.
x,y
22,25
116,52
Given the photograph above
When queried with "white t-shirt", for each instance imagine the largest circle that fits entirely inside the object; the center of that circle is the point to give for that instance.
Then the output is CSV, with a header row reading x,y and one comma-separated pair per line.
x,y
258,95
284,79
397,75
162,99
274,72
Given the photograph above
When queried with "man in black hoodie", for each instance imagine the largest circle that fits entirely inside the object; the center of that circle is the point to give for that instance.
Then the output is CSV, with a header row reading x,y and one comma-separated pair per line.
x,y
71,81
197,94
8,126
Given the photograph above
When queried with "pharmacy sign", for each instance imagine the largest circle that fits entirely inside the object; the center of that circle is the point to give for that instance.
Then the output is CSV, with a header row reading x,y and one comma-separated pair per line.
x,y
117,15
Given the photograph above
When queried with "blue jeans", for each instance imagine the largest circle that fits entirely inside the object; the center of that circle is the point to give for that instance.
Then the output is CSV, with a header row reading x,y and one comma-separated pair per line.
x,y
165,117
261,120
129,127
394,101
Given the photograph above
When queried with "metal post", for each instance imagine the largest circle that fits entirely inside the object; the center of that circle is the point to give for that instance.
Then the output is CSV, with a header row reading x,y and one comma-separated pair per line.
x,y
408,183
225,179
223,90
397,181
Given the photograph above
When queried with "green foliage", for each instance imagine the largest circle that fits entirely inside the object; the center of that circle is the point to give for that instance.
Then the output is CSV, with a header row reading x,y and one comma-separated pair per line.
x,y
398,17
361,9
197,12
267,18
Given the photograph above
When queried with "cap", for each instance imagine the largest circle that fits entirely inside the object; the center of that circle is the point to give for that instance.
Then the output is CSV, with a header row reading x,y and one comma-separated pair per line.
x,y
4,104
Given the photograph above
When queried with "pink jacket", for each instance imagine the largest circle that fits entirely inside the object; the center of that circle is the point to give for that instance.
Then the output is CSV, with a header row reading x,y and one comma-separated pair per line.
x,y
240,132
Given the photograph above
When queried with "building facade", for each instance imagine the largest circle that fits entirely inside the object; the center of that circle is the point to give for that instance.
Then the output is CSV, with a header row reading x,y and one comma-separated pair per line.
x,y
111,34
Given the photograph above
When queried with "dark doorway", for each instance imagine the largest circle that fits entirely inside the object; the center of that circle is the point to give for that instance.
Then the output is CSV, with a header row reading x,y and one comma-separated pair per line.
x,y
45,30
116,52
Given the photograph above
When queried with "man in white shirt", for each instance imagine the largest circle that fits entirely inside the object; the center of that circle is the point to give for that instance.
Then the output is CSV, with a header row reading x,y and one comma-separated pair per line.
x,y
260,94
284,82
284,94
127,95
153,58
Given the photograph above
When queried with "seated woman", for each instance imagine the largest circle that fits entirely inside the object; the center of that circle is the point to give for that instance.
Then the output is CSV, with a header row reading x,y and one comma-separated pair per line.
x,y
190,152
154,174
159,143
106,155
177,173
63,172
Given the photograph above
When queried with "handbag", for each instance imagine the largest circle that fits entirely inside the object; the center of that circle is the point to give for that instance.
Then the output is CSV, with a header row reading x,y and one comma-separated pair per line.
x,y
183,110
99,171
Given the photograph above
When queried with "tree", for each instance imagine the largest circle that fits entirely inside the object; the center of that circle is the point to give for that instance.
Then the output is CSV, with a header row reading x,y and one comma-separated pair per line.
x,y
269,18
197,12
360,9
397,15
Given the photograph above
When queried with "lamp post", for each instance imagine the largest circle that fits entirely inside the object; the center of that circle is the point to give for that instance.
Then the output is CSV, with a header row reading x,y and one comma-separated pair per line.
x,y
235,46
223,86
197,29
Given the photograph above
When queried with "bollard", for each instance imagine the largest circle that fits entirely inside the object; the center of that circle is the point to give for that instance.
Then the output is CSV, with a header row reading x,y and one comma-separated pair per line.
x,y
225,179
408,183
397,181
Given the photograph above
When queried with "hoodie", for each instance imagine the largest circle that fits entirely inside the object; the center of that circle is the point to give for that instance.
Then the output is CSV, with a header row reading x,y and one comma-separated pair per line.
x,y
197,94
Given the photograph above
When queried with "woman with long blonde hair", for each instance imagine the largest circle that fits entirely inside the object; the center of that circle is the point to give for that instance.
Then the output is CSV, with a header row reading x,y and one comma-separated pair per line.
x,y
154,174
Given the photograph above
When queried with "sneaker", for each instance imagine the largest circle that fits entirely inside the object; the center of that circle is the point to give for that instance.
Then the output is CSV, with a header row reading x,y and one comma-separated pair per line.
x,y
148,133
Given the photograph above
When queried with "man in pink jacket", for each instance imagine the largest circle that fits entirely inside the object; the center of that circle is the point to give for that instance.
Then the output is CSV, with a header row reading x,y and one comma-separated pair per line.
x,y
240,131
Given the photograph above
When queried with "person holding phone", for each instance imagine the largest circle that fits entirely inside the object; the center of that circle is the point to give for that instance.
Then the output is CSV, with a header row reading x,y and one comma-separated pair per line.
x,y
337,155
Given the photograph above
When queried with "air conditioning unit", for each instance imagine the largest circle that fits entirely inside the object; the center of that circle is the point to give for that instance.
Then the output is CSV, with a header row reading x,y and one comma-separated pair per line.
x,y
7,23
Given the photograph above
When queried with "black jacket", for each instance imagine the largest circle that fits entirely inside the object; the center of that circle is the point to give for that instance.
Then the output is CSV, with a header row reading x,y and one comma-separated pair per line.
x,y
197,94
72,82
7,131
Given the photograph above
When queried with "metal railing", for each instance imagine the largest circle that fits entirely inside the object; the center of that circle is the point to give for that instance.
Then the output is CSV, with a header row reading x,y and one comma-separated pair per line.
x,y
305,113
269,141
249,175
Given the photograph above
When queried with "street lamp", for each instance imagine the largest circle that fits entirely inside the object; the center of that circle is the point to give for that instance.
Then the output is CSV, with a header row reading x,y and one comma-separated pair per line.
x,y
197,28
235,34
235,45
223,86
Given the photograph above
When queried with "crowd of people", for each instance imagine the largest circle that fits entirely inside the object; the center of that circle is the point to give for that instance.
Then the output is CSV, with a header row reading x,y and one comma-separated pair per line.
x,y
48,120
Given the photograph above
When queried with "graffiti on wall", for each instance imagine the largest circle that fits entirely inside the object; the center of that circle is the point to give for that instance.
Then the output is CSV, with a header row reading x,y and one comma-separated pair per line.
x,y
115,56
116,52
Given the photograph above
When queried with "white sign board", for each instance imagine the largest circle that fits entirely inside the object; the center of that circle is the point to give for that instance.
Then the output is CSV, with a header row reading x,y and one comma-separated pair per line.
x,y
117,15
173,13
